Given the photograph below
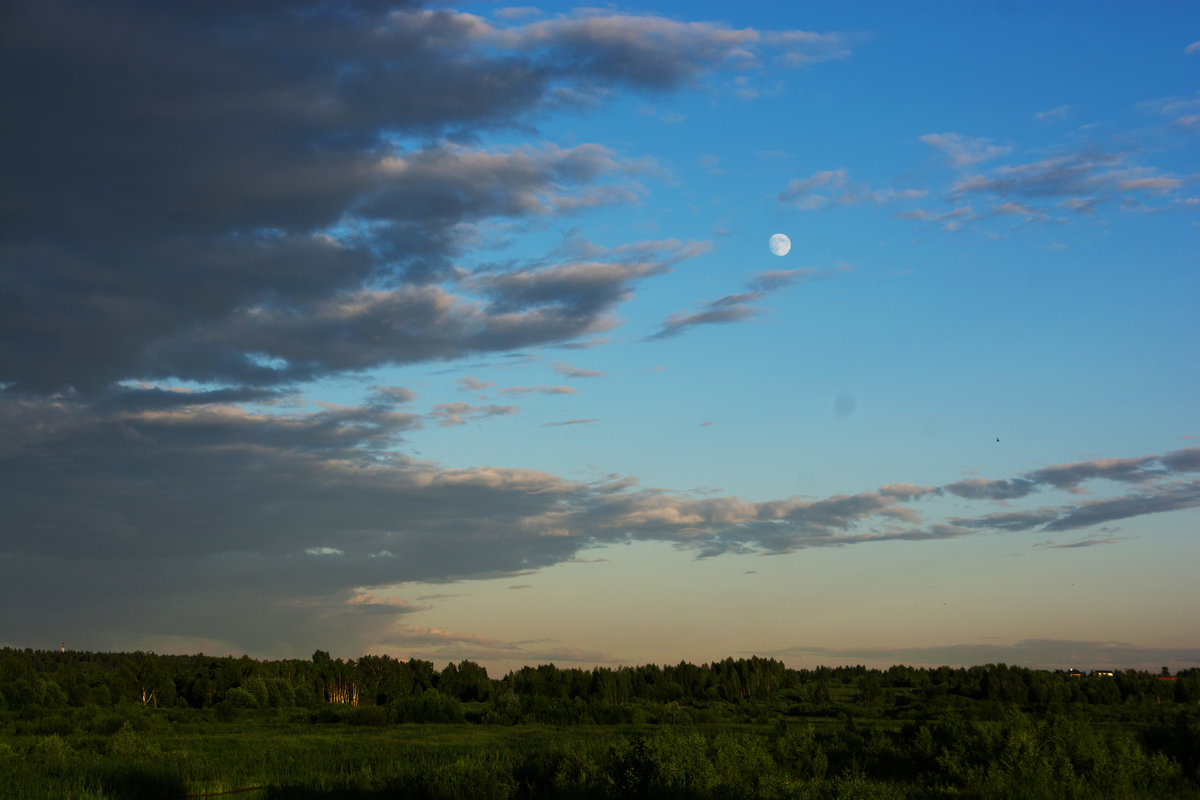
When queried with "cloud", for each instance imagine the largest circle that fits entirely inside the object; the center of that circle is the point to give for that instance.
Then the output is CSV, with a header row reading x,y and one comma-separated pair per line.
x,y
1053,114
391,396
569,422
834,187
1194,47
575,372
311,176
538,390
1090,541
449,414
1078,182
256,528
963,151
735,307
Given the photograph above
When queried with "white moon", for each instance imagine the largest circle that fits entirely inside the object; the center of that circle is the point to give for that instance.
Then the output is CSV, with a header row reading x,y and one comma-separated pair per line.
x,y
780,244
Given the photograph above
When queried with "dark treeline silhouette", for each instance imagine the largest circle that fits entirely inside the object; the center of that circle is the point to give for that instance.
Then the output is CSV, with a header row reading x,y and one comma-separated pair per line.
x,y
166,726
415,690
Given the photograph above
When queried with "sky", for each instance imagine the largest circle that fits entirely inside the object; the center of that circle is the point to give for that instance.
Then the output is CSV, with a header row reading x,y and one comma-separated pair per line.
x,y
451,331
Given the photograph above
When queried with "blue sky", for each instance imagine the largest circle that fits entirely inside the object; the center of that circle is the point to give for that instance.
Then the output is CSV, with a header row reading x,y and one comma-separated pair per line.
x,y
452,331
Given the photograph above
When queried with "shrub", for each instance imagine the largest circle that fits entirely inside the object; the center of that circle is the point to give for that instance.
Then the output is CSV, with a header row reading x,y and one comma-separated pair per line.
x,y
240,697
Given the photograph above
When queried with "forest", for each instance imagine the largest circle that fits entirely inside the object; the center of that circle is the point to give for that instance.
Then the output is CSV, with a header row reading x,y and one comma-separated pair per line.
x,y
143,725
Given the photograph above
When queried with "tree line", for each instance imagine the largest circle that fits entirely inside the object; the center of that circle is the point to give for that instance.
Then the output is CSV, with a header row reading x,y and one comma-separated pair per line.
x,y
416,690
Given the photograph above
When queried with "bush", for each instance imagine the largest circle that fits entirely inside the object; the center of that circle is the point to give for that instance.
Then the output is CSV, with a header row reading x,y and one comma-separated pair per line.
x,y
240,697
128,743
430,706
50,750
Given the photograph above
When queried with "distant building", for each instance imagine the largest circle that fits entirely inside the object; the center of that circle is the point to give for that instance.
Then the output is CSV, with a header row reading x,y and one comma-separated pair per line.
x,y
1074,674
1102,673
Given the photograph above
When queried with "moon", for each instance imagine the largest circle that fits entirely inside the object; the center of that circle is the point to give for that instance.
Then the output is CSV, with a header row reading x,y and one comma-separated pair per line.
x,y
780,244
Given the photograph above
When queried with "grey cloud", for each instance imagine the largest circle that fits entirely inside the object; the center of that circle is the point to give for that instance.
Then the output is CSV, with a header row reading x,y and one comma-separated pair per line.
x,y
659,53
581,287
173,170
1075,181
907,491
1186,460
734,307
359,330
1010,521
1091,541
569,422
731,308
213,511
387,396
980,489
1097,512
575,372
1069,476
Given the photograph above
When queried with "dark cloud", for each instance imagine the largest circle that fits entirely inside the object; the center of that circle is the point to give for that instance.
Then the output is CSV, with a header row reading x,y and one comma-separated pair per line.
x,y
257,193
1186,460
980,489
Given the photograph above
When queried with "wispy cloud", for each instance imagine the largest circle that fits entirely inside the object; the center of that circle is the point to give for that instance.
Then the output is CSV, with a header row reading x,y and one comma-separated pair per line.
x,y
538,390
835,188
963,151
278,513
1053,114
449,414
736,307
575,372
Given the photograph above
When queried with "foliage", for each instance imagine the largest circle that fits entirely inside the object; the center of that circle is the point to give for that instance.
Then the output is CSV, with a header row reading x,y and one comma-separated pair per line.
x,y
143,725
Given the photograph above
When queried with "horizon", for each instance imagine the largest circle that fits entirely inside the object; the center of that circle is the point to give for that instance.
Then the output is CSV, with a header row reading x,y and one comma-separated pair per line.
x,y
458,330
1086,671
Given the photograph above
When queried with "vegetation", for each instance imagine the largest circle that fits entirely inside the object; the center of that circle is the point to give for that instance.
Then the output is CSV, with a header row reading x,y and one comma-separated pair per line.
x,y
140,725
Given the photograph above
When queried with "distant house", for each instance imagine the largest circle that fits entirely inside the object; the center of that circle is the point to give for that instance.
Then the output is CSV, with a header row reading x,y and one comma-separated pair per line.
x,y
1074,674
1102,673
